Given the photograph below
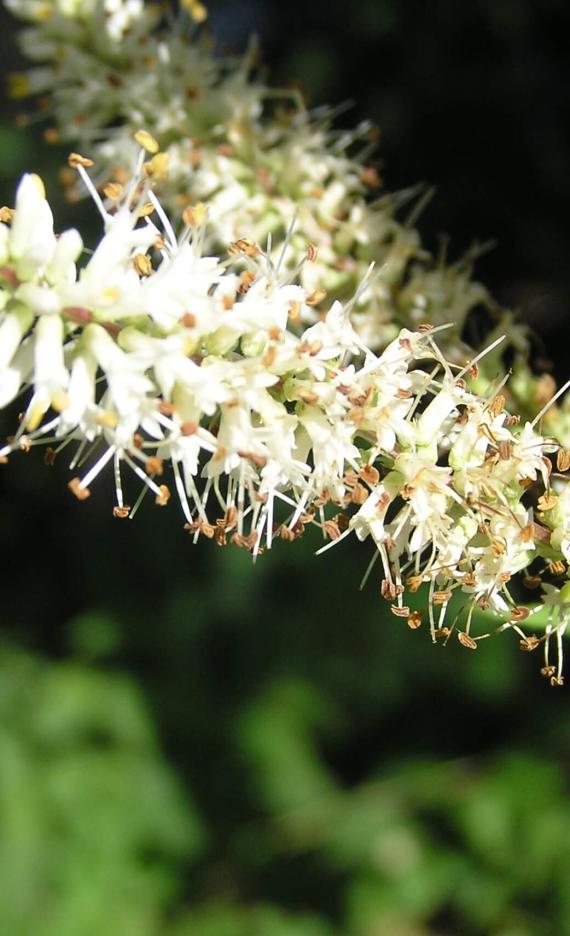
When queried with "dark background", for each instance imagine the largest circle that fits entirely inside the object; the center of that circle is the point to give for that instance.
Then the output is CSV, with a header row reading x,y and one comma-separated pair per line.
x,y
348,777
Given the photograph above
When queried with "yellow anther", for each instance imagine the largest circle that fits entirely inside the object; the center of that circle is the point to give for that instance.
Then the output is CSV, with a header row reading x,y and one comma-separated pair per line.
x,y
75,160
157,167
147,141
195,215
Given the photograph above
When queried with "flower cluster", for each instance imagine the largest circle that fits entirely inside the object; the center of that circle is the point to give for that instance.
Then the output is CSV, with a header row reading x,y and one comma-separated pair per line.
x,y
220,379
254,153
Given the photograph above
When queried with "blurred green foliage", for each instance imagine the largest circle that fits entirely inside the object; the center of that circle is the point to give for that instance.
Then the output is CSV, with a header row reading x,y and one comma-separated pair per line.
x,y
93,823
97,834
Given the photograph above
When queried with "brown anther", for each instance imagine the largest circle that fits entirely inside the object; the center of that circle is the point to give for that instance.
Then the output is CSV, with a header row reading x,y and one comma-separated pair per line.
x,y
548,670
294,311
563,459
525,483
498,545
402,394
359,494
466,641
78,314
312,253
342,521
547,464
460,383
220,537
51,135
315,297
251,543
414,620
286,534
113,190
383,501
49,457
557,567
307,517
400,611
7,215
407,491
121,512
307,396
414,582
331,529
138,440
188,320
255,458
120,174
166,408
512,420
529,643
441,597
442,633
189,428
526,535
228,302
230,519
557,680
370,475
425,328
142,265
545,389
75,160
389,591
350,479
532,581
81,493
468,580
269,356
164,496
356,415
546,501
541,533
370,178
244,246
207,529
519,614
505,449
246,280
154,466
